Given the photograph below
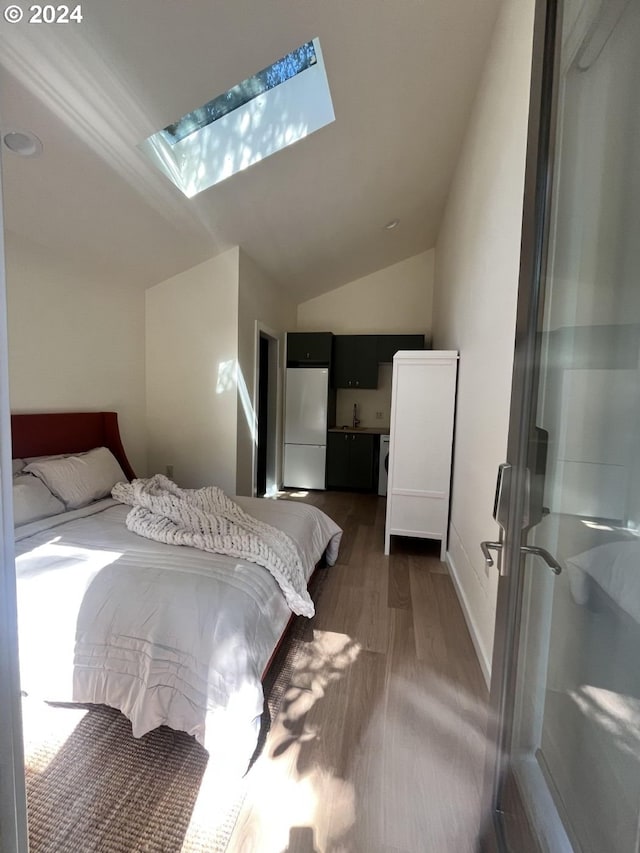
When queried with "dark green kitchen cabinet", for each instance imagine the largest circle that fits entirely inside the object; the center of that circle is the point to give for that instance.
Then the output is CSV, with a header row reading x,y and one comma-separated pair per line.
x,y
355,361
309,348
389,345
338,460
361,461
351,460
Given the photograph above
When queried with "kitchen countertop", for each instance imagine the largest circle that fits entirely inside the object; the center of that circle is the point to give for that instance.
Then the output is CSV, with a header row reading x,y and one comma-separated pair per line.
x,y
366,430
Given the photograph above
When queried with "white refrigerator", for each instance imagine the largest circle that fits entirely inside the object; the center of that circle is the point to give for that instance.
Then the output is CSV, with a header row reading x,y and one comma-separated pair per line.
x,y
305,427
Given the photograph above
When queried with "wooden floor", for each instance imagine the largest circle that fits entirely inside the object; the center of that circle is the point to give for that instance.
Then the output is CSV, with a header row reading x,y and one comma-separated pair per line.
x,y
379,745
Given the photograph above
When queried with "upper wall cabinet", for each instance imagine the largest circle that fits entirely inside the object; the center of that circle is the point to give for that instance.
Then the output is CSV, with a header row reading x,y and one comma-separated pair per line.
x,y
355,361
309,348
354,358
389,345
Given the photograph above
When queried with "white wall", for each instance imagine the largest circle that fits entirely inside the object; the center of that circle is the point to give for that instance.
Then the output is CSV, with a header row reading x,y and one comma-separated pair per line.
x,y
191,358
76,341
260,299
395,299
476,278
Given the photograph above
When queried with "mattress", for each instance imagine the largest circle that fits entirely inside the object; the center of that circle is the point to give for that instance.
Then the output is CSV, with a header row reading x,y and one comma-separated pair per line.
x,y
167,634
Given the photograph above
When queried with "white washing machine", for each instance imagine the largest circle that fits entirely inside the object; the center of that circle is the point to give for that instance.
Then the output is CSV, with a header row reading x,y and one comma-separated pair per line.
x,y
384,465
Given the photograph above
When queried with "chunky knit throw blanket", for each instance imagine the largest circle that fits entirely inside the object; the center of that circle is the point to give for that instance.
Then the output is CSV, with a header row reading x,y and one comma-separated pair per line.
x,y
209,520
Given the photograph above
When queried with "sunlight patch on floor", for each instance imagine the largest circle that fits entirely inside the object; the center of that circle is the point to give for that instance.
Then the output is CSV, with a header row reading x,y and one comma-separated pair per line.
x,y
289,799
285,494
46,729
615,713
284,801
213,808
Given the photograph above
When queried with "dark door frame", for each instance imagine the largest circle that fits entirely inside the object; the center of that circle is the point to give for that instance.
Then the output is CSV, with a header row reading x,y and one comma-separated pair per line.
x,y
262,415
274,406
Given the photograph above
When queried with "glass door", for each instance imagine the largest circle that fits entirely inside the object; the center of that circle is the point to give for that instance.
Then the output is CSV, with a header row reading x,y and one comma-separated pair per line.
x,y
566,689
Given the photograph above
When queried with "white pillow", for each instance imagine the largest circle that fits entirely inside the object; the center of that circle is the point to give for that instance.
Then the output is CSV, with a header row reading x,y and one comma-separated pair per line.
x,y
32,500
79,480
17,465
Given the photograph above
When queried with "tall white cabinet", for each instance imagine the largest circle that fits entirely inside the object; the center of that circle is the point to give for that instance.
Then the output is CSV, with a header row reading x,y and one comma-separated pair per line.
x,y
422,409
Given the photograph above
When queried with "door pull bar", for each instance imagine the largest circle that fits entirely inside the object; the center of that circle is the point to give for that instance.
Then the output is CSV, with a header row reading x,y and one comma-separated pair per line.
x,y
551,561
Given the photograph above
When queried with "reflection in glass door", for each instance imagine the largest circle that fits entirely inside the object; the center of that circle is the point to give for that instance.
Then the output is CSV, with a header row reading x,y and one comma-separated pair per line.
x,y
574,733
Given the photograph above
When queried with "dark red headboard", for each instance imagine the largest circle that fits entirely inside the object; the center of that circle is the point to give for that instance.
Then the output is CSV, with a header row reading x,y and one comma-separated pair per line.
x,y
67,432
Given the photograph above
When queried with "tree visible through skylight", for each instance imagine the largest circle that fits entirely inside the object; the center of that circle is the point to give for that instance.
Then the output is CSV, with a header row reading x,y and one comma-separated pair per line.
x,y
290,65
265,113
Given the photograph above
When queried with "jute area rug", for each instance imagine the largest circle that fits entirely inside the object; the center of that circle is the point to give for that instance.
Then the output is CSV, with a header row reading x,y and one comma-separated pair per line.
x,y
91,786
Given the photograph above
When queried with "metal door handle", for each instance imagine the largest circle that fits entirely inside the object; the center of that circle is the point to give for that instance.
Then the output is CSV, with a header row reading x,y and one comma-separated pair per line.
x,y
551,561
494,546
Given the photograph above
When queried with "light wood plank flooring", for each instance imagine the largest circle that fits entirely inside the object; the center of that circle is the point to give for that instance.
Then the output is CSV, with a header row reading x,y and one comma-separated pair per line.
x,y
379,745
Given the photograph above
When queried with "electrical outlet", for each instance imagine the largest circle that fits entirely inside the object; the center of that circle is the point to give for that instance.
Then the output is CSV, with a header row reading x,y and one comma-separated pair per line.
x,y
378,416
169,471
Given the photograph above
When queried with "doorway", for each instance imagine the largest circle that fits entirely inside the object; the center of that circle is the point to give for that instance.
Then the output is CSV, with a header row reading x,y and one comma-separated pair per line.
x,y
565,773
266,457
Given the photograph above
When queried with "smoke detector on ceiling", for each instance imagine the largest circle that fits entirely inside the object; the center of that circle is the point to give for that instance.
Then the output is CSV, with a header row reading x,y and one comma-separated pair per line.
x,y
24,143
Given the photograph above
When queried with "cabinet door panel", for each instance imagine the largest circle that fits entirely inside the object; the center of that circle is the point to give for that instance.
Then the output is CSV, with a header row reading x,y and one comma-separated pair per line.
x,y
343,361
418,515
367,362
338,460
361,461
356,361
424,400
313,348
389,345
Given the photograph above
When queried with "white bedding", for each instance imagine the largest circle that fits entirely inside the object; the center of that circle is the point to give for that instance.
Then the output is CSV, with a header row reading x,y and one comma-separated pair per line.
x,y
209,520
166,634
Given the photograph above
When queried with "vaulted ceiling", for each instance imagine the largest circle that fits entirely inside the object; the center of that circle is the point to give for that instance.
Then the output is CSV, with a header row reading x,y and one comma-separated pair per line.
x,y
402,75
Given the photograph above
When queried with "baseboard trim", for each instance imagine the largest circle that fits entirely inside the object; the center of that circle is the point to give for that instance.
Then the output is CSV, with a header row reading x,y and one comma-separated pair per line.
x,y
483,658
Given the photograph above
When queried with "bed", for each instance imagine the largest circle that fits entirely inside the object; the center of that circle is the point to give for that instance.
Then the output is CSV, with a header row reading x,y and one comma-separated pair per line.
x,y
169,635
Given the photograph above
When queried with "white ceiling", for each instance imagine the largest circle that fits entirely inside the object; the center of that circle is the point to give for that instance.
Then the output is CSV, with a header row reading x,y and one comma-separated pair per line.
x,y
402,75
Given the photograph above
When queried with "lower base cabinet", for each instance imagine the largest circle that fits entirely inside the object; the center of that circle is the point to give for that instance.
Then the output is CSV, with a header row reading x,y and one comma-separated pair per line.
x,y
351,461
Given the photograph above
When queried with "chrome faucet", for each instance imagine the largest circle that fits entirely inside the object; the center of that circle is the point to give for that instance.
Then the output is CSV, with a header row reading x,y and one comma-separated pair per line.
x,y
356,419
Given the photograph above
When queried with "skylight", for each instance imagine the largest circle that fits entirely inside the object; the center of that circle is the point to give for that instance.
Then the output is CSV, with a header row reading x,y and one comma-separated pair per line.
x,y
268,111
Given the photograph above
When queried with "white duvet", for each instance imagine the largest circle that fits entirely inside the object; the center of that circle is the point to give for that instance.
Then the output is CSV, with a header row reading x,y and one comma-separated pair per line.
x,y
166,634
209,520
